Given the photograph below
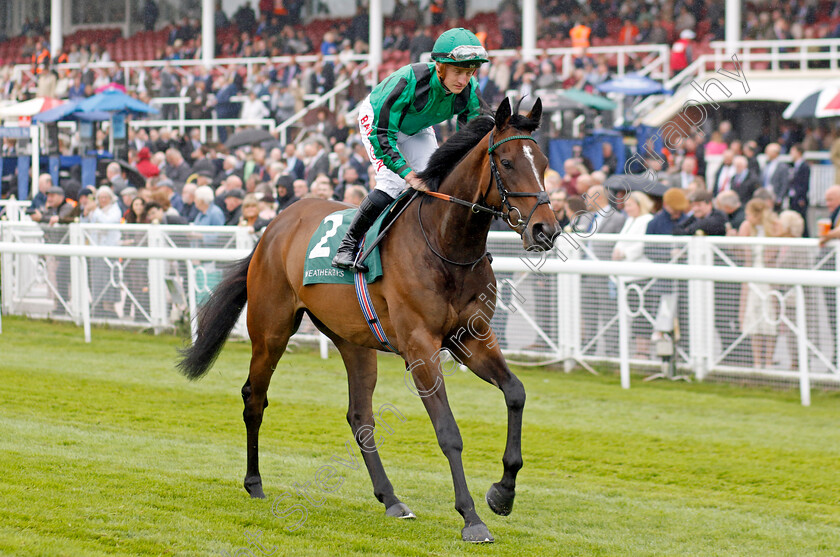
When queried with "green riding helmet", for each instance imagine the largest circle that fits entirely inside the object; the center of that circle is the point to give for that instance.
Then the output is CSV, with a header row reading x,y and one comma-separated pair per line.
x,y
459,47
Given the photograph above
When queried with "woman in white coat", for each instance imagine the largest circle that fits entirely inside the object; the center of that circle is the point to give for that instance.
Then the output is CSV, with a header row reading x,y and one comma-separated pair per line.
x,y
638,208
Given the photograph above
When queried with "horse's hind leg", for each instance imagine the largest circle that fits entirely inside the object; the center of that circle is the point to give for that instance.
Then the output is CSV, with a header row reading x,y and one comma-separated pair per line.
x,y
268,342
361,377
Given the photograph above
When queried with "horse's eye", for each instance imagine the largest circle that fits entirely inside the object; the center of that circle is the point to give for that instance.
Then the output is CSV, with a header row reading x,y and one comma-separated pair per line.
x,y
506,163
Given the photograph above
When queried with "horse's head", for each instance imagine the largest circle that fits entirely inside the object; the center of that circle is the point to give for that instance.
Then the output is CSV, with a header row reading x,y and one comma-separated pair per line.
x,y
517,166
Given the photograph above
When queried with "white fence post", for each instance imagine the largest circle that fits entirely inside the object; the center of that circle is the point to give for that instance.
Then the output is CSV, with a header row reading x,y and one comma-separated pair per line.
x,y
623,334
157,282
193,306
78,293
802,340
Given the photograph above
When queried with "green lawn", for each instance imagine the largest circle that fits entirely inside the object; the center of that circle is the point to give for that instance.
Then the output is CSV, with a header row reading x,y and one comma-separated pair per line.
x,y
105,449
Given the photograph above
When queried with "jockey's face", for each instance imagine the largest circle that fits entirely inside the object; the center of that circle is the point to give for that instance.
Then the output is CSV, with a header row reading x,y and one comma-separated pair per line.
x,y
455,79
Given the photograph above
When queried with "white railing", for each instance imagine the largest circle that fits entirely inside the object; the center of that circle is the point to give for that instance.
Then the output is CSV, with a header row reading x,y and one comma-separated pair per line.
x,y
326,98
753,56
656,58
203,125
575,302
133,67
802,52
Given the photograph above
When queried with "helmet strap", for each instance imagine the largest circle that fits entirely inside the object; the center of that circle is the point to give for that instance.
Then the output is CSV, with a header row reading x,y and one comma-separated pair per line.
x,y
440,67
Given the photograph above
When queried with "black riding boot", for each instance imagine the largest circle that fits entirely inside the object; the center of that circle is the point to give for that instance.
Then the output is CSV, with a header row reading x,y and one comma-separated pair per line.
x,y
371,207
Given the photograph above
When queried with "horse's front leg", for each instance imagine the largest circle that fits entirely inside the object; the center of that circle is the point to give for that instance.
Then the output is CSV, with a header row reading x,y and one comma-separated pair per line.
x,y
421,352
484,358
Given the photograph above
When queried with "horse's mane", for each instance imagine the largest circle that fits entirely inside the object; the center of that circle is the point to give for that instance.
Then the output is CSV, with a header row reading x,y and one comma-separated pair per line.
x,y
448,155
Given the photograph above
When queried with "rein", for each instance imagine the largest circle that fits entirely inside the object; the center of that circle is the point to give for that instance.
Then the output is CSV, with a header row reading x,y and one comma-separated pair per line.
x,y
504,193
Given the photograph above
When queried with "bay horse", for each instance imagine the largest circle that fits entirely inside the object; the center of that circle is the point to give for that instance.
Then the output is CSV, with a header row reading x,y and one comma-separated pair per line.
x,y
433,284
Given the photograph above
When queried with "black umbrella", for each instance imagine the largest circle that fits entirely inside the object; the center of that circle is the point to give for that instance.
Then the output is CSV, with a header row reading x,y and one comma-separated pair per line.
x,y
132,175
630,182
248,137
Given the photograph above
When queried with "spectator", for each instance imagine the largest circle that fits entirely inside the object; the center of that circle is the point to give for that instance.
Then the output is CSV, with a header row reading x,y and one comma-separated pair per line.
x,y
156,215
124,199
729,204
628,33
800,181
144,164
188,210
251,214
704,218
508,23
686,175
106,211
637,206
253,108
674,206
792,225
233,206
293,163
136,212
176,168
56,210
301,189
318,160
209,214
220,19
757,308
322,188
557,198
286,191
681,52
422,42
114,175
44,185
354,195
776,174
715,145
743,182
167,197
610,160
579,35
724,174
245,18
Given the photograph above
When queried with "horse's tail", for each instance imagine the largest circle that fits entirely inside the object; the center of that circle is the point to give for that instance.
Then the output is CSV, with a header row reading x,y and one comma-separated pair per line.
x,y
216,318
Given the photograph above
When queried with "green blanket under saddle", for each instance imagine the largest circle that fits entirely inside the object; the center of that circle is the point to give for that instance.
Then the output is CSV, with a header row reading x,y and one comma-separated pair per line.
x,y
324,243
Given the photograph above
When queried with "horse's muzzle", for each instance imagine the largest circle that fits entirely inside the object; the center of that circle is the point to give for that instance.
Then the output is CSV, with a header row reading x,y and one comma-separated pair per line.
x,y
540,236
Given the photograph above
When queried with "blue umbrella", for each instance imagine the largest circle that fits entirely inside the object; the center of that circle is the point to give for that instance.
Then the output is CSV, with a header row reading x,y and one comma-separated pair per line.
x,y
112,100
632,84
69,111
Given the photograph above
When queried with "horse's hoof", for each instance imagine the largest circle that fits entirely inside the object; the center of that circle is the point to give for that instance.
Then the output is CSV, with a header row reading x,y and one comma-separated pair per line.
x,y
254,488
399,510
477,533
499,499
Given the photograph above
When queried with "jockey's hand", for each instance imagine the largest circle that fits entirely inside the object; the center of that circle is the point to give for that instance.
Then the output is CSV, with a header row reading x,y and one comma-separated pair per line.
x,y
415,182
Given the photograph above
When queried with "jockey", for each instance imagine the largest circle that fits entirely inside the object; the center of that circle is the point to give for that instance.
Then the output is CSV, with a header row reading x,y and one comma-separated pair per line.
x,y
396,122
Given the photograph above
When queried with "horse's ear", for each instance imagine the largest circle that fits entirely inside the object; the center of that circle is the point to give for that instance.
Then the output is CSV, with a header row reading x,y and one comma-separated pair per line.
x,y
536,111
503,114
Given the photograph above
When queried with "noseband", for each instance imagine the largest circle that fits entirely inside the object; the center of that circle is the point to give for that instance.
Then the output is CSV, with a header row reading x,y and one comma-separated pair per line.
x,y
504,193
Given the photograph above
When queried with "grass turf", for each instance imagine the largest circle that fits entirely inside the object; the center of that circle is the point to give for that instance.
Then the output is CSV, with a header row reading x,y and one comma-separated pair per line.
x,y
107,450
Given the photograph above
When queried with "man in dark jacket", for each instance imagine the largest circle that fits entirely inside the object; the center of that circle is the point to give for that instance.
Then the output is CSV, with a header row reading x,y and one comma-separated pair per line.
x,y
800,181
704,218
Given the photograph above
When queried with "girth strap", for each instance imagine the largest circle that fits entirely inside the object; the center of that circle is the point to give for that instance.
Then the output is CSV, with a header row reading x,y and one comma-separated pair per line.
x,y
369,311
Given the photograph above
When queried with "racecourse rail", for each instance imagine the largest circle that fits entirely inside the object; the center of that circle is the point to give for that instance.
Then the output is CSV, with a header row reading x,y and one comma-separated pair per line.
x,y
579,305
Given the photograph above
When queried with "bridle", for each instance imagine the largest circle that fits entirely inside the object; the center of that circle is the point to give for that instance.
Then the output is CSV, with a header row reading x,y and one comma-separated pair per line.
x,y
504,194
